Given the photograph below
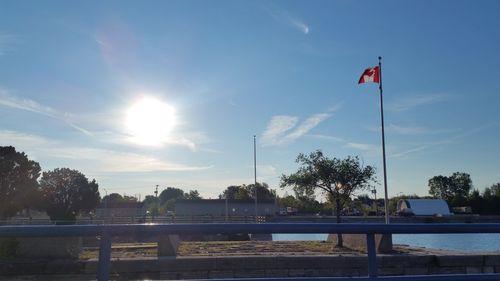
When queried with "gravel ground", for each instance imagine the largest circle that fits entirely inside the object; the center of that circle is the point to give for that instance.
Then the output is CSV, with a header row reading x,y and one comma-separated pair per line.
x,y
227,248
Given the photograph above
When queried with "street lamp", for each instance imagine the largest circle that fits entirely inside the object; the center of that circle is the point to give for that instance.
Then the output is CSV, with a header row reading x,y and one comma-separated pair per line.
x,y
374,192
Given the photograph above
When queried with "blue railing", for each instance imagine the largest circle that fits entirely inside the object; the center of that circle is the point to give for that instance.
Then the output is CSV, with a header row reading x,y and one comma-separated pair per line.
x,y
106,232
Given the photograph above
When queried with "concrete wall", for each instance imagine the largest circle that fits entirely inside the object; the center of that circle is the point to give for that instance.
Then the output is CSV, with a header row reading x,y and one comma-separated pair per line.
x,y
264,266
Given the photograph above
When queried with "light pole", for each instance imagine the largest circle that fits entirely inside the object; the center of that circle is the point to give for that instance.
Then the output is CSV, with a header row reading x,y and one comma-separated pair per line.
x,y
227,210
157,204
374,191
106,203
255,173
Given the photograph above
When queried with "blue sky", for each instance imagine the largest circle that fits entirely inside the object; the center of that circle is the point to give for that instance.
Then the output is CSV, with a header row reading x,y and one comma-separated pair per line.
x,y
286,71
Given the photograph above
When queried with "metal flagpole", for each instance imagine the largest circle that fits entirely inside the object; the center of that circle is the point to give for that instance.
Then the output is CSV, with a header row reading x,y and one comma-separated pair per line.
x,y
386,205
255,174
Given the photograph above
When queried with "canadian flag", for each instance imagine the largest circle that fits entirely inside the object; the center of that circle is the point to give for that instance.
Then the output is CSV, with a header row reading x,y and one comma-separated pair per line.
x,y
370,75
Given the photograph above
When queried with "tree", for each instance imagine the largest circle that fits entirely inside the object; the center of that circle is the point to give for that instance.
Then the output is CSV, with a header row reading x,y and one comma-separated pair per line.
x,y
115,198
18,181
454,189
236,192
170,193
151,203
337,178
247,192
66,193
193,194
263,191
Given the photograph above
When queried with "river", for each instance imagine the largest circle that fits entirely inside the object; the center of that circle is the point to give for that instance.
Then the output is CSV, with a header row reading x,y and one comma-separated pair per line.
x,y
466,242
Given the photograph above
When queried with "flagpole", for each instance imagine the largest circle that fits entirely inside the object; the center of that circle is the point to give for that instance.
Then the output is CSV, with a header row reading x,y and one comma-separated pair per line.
x,y
255,174
386,205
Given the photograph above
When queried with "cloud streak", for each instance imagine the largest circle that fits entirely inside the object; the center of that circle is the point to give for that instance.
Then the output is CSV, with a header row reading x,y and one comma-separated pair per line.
x,y
280,129
415,130
93,159
287,18
7,100
301,26
440,142
404,104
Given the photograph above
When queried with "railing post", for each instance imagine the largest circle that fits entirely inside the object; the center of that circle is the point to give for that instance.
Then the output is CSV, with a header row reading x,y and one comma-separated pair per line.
x,y
372,255
104,257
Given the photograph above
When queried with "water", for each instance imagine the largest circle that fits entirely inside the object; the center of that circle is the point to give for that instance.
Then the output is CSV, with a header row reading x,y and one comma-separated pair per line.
x,y
467,242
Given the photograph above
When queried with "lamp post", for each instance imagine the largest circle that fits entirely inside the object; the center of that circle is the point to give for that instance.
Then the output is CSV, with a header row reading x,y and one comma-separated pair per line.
x,y
227,208
157,205
374,192
105,203
255,173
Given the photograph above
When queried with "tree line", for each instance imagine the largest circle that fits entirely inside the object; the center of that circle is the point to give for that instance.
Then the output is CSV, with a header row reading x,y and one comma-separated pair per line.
x,y
62,192
65,193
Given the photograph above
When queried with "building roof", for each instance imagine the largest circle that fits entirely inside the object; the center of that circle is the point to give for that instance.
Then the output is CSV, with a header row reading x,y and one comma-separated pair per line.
x,y
428,207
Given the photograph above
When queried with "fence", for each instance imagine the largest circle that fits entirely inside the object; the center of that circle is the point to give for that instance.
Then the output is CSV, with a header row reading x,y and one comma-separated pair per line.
x,y
137,220
106,232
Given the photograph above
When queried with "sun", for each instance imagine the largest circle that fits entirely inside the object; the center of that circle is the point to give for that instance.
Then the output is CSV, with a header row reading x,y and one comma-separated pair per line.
x,y
149,121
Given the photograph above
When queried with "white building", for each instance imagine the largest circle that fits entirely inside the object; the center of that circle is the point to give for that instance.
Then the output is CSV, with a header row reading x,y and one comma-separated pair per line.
x,y
423,207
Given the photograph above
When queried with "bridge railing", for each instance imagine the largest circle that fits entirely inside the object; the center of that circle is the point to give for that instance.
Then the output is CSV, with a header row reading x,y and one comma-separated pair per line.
x,y
106,232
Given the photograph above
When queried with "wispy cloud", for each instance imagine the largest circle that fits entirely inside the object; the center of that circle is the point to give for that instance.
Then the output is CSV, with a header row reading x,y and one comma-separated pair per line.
x,y
416,130
35,107
279,130
325,137
408,103
362,146
300,25
287,18
92,159
449,140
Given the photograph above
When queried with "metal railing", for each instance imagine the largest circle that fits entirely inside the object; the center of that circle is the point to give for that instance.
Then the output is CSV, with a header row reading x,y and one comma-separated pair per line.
x,y
106,232
138,220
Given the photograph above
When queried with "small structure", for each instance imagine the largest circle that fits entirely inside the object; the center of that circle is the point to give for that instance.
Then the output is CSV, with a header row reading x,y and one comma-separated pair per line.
x,y
423,207
121,209
222,207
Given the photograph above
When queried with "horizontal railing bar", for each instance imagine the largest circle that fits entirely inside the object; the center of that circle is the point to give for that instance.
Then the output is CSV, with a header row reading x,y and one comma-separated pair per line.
x,y
444,277
210,228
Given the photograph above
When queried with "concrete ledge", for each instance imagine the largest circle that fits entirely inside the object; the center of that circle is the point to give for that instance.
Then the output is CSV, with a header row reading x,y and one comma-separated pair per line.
x,y
383,242
258,266
168,245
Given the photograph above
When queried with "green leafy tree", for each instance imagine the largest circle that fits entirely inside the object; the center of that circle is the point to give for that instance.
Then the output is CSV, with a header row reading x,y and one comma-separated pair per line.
x,y
337,178
237,192
66,193
115,198
454,189
288,201
263,191
170,193
151,203
18,181
247,192
193,194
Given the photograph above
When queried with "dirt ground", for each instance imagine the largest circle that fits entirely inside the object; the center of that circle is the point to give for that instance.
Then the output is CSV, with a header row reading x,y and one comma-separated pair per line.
x,y
226,248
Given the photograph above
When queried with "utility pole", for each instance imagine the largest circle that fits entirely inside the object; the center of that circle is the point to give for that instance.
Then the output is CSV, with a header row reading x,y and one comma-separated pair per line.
x,y
157,204
374,191
255,173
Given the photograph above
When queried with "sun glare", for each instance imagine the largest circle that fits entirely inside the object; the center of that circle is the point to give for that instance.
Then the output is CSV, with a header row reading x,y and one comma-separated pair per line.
x,y
150,121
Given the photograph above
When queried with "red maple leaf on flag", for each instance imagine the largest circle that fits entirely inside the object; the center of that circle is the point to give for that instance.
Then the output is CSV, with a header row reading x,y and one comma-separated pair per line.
x,y
370,75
